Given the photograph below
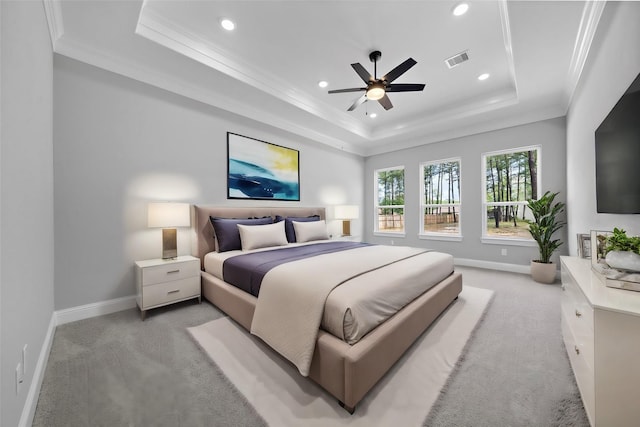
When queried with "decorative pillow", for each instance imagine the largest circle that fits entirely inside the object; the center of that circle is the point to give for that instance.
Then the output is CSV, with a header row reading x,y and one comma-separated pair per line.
x,y
288,224
227,234
308,231
262,236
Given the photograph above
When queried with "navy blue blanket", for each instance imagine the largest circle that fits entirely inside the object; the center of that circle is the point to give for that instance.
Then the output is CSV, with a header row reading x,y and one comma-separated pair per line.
x,y
246,271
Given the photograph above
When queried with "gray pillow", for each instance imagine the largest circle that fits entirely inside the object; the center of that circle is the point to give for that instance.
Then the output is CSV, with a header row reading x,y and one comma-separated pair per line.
x,y
227,234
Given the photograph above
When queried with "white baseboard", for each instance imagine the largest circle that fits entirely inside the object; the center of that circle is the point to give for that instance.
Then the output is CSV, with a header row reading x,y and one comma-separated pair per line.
x,y
29,408
491,265
500,266
94,309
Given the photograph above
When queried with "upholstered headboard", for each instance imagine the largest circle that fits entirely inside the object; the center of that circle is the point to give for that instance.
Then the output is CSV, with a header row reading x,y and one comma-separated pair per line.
x,y
204,242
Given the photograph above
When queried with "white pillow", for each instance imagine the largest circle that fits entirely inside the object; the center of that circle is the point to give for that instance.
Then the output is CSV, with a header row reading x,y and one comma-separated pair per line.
x,y
308,231
262,236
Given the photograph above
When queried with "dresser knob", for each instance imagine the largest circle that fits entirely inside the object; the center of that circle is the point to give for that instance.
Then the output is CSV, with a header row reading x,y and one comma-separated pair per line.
x,y
578,314
576,349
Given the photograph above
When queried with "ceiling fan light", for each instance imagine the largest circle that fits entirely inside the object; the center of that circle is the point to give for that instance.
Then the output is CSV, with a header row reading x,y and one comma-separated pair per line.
x,y
375,92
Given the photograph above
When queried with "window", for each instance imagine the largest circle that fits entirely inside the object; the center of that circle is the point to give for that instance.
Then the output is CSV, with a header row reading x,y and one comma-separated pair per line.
x,y
440,204
511,178
389,209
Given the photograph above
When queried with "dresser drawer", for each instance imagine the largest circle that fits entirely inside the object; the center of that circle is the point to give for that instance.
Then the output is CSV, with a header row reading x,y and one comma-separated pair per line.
x,y
575,304
165,293
170,272
582,365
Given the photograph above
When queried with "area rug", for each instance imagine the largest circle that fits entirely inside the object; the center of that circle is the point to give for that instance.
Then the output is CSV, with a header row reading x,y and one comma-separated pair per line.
x,y
403,397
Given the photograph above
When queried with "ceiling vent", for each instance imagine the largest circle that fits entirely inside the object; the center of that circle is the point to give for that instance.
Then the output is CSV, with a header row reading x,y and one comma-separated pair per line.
x,y
458,59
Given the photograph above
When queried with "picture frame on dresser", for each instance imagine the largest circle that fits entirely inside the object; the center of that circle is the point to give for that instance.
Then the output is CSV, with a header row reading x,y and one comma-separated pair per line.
x,y
261,170
584,245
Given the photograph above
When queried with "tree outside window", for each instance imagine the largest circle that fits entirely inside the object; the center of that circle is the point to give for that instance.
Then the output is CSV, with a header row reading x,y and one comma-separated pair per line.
x,y
511,178
440,204
390,200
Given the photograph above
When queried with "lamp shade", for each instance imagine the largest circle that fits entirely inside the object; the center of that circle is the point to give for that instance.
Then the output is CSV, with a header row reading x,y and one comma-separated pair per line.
x,y
346,212
166,214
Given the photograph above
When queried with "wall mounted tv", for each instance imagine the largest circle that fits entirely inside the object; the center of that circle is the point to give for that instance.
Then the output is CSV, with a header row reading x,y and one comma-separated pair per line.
x,y
618,156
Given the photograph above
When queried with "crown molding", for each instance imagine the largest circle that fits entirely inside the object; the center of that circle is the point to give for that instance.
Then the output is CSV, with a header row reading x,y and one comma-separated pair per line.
x,y
53,12
588,25
508,45
191,90
169,35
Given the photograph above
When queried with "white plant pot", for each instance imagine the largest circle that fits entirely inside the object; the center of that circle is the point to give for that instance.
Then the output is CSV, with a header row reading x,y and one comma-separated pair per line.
x,y
543,273
623,260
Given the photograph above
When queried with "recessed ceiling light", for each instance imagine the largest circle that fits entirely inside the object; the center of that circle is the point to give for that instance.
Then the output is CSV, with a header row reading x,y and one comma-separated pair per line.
x,y
460,9
323,84
228,24
484,76
373,115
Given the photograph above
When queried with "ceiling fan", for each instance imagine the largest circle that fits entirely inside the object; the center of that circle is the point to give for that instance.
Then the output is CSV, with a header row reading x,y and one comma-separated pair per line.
x,y
377,88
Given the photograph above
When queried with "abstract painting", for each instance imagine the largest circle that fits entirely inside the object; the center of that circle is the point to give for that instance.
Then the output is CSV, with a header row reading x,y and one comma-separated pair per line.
x,y
261,170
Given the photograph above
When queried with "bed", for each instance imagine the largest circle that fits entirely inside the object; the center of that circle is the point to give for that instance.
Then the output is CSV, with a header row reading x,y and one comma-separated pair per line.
x,y
347,371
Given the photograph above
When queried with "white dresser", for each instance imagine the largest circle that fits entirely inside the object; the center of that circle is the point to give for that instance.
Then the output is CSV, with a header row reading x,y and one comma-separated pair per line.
x,y
601,330
166,281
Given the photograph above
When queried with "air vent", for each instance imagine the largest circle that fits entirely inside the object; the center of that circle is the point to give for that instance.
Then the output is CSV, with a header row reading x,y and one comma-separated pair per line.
x,y
458,59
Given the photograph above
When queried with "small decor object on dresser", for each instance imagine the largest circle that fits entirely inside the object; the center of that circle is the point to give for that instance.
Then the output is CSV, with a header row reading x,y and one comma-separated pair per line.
x,y
616,258
162,282
584,245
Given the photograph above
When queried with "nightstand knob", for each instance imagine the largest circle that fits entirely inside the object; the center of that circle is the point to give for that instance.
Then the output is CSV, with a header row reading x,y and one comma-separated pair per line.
x,y
576,349
173,271
578,314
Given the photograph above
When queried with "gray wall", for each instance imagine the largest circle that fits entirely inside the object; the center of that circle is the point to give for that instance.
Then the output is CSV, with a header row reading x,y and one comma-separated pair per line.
x,y
549,134
26,249
613,63
119,144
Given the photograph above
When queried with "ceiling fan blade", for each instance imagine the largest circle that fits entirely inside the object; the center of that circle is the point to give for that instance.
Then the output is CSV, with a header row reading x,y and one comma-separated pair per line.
x,y
362,72
399,70
357,102
353,89
405,87
385,102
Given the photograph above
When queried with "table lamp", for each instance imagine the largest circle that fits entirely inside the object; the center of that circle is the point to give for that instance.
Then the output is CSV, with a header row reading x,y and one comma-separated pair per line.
x,y
169,216
346,213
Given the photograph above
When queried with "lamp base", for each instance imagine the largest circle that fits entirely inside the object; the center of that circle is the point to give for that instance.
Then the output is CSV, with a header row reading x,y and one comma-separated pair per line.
x,y
346,227
169,243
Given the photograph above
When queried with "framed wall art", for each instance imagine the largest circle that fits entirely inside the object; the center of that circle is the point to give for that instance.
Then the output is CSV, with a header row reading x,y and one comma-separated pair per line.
x,y
260,170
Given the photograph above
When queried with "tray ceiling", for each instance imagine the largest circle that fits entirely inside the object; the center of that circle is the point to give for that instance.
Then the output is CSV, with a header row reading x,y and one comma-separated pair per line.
x,y
269,67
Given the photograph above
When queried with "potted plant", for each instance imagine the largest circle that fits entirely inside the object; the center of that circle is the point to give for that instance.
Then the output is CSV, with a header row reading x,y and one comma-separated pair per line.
x,y
622,252
545,213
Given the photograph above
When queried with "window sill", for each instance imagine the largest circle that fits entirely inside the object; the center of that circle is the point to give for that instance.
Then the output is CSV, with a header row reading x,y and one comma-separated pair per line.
x,y
441,237
508,242
388,234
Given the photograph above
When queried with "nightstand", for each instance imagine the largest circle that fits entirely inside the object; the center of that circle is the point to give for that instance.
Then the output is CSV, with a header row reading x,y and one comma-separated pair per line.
x,y
166,281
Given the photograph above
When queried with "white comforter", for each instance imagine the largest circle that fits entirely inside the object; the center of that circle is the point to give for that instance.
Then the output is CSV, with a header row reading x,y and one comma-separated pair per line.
x,y
289,311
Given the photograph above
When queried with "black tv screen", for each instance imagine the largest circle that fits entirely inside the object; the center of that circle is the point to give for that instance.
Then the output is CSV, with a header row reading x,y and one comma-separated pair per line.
x,y
618,156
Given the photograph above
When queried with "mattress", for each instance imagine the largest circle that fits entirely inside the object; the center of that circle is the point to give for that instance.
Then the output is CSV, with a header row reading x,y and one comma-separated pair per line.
x,y
362,303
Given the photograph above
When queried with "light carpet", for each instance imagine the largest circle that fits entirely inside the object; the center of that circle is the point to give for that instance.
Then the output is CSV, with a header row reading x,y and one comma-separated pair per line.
x,y
402,398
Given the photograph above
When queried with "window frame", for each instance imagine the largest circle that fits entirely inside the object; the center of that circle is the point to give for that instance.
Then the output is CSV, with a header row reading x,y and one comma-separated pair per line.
x,y
430,235
512,241
377,206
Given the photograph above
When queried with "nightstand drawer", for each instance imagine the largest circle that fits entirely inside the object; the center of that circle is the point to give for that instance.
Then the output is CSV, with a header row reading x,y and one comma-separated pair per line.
x,y
164,293
170,272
